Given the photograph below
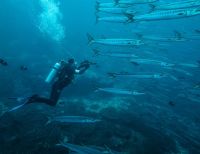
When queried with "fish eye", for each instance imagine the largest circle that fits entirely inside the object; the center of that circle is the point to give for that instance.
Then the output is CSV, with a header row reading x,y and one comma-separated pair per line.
x,y
181,14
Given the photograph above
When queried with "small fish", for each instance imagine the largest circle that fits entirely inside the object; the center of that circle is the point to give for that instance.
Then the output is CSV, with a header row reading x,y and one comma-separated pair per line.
x,y
197,31
196,86
72,119
171,103
3,62
115,54
23,68
115,41
120,91
167,14
176,5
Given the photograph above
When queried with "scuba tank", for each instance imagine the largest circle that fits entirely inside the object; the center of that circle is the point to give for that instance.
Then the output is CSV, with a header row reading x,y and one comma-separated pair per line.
x,y
53,73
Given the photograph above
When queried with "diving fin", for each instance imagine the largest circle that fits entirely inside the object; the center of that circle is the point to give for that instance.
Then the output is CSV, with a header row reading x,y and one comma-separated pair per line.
x,y
22,100
17,107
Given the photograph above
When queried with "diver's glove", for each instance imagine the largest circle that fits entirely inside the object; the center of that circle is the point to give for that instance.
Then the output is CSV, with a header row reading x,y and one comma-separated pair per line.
x,y
84,64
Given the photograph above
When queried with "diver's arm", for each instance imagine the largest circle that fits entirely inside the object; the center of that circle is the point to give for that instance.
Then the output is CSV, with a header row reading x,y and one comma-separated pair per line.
x,y
83,67
81,70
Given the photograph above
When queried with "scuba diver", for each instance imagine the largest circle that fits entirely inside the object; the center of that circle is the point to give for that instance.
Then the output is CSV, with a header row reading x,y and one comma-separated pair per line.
x,y
62,75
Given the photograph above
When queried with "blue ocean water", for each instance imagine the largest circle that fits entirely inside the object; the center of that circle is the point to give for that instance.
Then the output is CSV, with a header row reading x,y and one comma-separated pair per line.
x,y
38,33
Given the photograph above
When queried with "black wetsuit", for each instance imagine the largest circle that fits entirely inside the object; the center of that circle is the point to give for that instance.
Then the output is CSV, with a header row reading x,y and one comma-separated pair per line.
x,y
64,78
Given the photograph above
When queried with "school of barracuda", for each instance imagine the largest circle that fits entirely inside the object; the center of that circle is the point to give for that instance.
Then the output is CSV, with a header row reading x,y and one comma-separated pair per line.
x,y
122,11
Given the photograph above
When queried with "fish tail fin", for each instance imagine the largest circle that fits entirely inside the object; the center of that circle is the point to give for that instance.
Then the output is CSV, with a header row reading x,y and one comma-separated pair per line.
x,y
116,2
197,31
60,143
112,75
130,17
96,52
48,121
173,77
152,7
97,18
97,90
139,36
90,38
97,6
134,63
198,63
178,35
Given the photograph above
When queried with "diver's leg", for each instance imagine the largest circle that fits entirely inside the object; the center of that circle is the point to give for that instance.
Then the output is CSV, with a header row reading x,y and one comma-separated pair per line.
x,y
38,99
55,93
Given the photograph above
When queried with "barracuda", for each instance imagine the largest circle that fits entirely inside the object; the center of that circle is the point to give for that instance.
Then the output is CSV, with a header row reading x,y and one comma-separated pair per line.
x,y
135,1
115,42
190,65
72,119
113,10
109,5
176,5
180,71
81,149
120,91
151,61
138,76
176,38
168,14
115,54
126,18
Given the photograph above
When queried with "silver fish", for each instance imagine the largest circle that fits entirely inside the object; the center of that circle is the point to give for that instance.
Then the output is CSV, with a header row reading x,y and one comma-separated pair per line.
x,y
113,10
81,149
164,39
109,5
176,5
179,70
115,41
139,76
178,37
135,1
151,61
190,65
120,91
72,119
126,18
167,14
115,54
